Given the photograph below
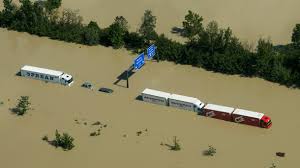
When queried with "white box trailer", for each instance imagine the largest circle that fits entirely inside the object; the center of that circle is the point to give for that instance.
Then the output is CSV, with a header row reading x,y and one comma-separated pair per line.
x,y
46,75
156,97
186,103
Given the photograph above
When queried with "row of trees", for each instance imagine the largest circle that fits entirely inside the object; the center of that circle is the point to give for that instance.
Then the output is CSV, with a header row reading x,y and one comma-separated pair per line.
x,y
210,46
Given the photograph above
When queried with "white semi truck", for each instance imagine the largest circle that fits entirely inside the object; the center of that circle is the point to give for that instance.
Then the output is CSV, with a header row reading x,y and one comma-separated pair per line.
x,y
173,100
46,75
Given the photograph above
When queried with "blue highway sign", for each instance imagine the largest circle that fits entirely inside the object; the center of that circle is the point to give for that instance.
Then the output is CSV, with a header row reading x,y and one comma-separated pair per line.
x,y
151,51
139,61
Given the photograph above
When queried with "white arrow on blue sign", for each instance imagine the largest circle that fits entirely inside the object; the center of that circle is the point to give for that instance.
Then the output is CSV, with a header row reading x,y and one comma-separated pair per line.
x,y
139,61
151,51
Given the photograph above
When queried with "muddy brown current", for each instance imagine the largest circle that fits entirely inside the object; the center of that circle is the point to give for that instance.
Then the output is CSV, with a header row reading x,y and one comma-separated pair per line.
x,y
56,106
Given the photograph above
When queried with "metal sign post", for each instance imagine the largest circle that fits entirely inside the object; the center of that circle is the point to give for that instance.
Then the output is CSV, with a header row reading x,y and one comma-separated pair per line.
x,y
138,62
127,75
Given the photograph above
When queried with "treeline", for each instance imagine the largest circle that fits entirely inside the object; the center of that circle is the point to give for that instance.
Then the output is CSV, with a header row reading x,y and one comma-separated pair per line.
x,y
209,47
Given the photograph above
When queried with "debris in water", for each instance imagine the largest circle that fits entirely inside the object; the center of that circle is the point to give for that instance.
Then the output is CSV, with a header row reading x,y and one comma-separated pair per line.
x,y
280,154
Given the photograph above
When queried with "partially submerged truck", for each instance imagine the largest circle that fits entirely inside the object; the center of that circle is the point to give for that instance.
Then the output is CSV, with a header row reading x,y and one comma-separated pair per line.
x,y
47,75
173,100
208,110
237,115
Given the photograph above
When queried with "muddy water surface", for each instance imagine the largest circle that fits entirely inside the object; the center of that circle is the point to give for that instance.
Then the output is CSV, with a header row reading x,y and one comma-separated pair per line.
x,y
56,107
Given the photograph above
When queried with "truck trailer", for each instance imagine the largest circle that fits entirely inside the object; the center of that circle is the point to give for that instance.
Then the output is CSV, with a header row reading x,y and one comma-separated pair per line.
x,y
156,97
218,111
251,118
208,110
46,75
173,100
237,115
185,103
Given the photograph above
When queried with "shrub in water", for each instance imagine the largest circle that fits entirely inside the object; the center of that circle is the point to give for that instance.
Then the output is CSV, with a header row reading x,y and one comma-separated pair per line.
x,y
23,105
211,151
65,141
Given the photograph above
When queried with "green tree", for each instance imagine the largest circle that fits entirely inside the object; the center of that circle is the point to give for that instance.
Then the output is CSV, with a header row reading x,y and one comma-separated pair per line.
x,y
50,5
211,38
8,14
69,27
147,29
265,53
192,26
133,40
169,50
23,105
122,22
296,35
91,34
116,35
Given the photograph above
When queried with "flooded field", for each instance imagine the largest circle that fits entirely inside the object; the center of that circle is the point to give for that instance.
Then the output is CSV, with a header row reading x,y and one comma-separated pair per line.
x,y
57,107
249,20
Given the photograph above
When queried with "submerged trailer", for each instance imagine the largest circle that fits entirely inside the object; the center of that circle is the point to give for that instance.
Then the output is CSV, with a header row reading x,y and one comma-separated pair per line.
x,y
186,103
46,75
173,100
208,110
218,111
251,118
155,96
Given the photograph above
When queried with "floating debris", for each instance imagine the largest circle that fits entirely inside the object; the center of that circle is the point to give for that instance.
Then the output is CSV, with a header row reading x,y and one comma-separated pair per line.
x,y
280,154
97,123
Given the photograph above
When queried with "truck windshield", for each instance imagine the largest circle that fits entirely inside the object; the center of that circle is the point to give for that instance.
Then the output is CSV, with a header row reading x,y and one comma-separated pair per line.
x,y
71,80
270,122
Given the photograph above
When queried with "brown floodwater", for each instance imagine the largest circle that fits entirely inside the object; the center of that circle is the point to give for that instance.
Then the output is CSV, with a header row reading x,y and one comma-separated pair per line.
x,y
56,107
249,20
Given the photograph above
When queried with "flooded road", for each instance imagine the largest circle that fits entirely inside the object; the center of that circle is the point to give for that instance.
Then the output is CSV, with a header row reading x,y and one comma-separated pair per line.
x,y
56,107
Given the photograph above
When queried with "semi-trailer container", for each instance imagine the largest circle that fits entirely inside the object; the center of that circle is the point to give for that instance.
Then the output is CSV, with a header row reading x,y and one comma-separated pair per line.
x,y
186,103
156,97
251,118
173,100
46,75
209,110
218,111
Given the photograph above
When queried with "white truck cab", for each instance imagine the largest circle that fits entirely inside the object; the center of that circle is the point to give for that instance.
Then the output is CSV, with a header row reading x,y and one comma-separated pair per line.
x,y
66,79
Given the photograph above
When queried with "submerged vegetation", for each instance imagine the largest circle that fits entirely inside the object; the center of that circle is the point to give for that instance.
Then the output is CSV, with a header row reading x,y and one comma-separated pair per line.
x,y
211,151
65,141
208,46
23,106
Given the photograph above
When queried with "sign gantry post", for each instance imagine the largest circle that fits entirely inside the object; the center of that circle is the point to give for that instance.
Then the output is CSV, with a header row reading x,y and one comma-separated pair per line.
x,y
137,64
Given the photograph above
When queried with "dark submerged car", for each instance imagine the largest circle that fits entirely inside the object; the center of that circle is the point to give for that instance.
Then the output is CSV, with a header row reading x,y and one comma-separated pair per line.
x,y
106,90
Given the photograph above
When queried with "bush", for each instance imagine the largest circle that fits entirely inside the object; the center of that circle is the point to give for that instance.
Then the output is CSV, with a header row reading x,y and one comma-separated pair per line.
x,y
176,146
23,105
64,141
210,152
